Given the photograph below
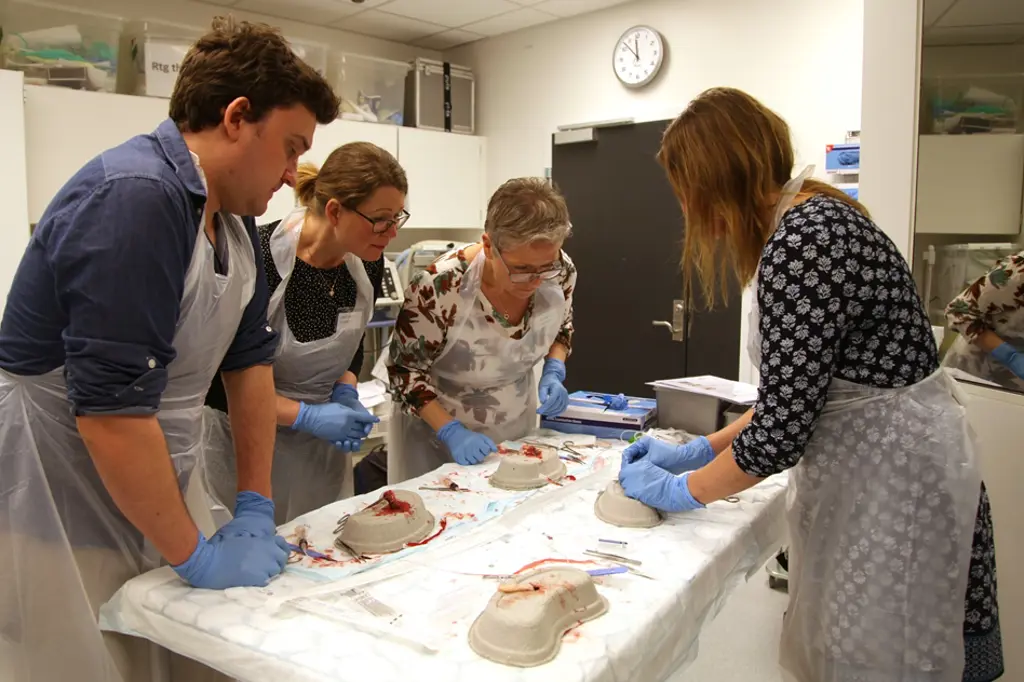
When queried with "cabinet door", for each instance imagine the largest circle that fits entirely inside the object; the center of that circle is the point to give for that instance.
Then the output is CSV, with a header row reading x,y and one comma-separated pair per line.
x,y
326,139
970,184
65,129
446,178
14,189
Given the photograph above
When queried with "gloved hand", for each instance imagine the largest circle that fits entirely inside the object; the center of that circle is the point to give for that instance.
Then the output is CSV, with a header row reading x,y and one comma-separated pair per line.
x,y
467,447
671,457
334,422
254,516
655,487
226,561
1011,357
350,445
552,394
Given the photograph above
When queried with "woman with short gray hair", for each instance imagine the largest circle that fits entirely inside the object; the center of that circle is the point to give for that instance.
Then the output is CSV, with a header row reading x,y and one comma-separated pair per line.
x,y
473,326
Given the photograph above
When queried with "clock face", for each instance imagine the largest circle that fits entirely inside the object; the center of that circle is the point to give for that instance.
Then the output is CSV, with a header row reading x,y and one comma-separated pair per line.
x,y
638,56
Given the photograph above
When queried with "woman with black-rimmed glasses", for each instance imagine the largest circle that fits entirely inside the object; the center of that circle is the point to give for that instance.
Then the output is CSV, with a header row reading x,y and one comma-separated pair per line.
x,y
473,327
324,264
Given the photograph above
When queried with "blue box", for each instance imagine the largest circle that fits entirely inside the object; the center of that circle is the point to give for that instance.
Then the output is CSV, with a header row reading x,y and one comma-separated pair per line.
x,y
588,414
842,158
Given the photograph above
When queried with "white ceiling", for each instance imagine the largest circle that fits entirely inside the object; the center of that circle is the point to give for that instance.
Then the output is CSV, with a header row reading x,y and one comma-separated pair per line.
x,y
431,24
973,22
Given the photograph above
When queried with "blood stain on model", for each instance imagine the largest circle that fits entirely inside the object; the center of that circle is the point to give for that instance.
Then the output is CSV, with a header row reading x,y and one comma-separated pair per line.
x,y
443,525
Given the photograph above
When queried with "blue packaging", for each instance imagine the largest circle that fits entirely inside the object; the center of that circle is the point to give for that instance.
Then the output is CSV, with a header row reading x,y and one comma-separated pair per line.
x,y
842,158
589,413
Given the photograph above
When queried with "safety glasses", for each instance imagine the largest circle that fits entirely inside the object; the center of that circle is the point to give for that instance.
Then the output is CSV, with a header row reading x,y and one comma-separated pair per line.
x,y
382,225
525,277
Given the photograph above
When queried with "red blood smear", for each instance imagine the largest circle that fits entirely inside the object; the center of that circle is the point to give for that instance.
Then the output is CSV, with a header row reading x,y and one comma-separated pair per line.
x,y
502,450
570,478
532,451
444,524
394,505
535,564
459,516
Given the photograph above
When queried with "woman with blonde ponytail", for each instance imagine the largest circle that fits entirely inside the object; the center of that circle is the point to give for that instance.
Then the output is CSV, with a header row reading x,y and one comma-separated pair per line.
x,y
324,265
892,564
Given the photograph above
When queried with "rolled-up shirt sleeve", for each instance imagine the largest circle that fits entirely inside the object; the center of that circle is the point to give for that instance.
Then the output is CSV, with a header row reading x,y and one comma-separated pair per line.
x,y
119,267
419,338
255,341
568,282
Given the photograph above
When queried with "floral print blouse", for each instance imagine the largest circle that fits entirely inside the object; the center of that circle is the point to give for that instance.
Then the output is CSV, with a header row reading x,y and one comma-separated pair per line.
x,y
431,301
994,301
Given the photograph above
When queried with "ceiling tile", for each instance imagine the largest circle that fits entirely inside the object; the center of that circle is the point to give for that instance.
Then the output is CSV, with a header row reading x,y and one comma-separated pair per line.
x,y
933,9
513,21
219,3
527,3
450,13
974,35
568,8
309,11
984,13
388,26
448,39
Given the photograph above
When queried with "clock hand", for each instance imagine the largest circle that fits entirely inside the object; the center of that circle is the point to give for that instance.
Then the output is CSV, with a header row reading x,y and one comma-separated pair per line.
x,y
636,52
635,55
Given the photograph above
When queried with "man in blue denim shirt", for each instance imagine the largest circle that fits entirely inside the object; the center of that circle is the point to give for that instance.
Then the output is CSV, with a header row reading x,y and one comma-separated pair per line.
x,y
139,284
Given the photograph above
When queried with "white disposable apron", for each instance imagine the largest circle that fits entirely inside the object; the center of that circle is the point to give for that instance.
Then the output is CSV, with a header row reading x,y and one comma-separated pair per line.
x,y
65,548
881,511
308,472
483,376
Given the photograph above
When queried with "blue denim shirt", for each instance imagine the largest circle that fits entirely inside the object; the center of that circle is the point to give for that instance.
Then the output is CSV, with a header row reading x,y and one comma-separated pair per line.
x,y
99,288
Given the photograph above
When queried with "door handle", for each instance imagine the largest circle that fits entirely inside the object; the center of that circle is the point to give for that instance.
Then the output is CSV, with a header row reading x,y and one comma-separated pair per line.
x,y
676,326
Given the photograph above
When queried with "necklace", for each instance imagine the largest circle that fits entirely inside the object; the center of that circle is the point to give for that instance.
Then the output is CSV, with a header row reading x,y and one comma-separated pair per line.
x,y
333,283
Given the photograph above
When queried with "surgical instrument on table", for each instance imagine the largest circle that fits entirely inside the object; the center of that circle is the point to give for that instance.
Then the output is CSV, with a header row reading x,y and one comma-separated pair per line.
x,y
303,549
452,487
613,557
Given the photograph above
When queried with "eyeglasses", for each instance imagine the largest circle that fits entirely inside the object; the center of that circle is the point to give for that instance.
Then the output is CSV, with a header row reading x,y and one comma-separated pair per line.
x,y
524,277
382,225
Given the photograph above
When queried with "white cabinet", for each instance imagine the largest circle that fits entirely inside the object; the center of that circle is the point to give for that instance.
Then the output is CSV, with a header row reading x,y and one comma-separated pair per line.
x,y
970,184
446,178
14,188
997,418
326,139
65,129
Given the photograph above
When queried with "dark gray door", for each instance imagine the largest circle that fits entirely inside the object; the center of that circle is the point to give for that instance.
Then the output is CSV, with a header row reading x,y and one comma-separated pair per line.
x,y
627,243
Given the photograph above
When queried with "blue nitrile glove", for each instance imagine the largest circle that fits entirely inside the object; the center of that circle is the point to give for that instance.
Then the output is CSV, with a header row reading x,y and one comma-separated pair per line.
x,y
467,447
552,394
348,395
333,422
671,457
226,561
254,516
655,487
1011,357
350,445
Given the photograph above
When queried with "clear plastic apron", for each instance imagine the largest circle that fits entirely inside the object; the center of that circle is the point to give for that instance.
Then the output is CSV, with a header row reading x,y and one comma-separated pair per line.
x,y
308,472
64,546
967,357
484,378
881,511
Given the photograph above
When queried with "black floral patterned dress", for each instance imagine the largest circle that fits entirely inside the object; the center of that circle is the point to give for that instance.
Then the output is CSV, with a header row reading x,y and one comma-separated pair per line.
x,y
882,339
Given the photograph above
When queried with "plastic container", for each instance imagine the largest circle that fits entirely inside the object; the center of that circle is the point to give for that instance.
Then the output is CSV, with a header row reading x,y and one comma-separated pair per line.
x,y
425,97
153,52
370,89
972,104
312,53
55,45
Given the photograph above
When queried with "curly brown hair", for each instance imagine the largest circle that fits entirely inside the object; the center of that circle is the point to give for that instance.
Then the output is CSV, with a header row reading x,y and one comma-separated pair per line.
x,y
242,59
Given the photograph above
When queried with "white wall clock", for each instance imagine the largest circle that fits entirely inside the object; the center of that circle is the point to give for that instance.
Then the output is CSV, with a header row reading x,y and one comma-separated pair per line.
x,y
638,56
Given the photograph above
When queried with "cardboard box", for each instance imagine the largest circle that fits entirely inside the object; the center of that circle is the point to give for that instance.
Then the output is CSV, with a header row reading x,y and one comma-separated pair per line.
x,y
588,413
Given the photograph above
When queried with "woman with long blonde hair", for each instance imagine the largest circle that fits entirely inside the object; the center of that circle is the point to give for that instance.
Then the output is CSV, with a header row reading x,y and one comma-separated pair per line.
x,y
891,532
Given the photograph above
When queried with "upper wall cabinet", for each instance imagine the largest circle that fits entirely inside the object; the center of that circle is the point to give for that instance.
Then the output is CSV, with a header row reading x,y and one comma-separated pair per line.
x,y
65,129
326,139
14,188
970,184
446,178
